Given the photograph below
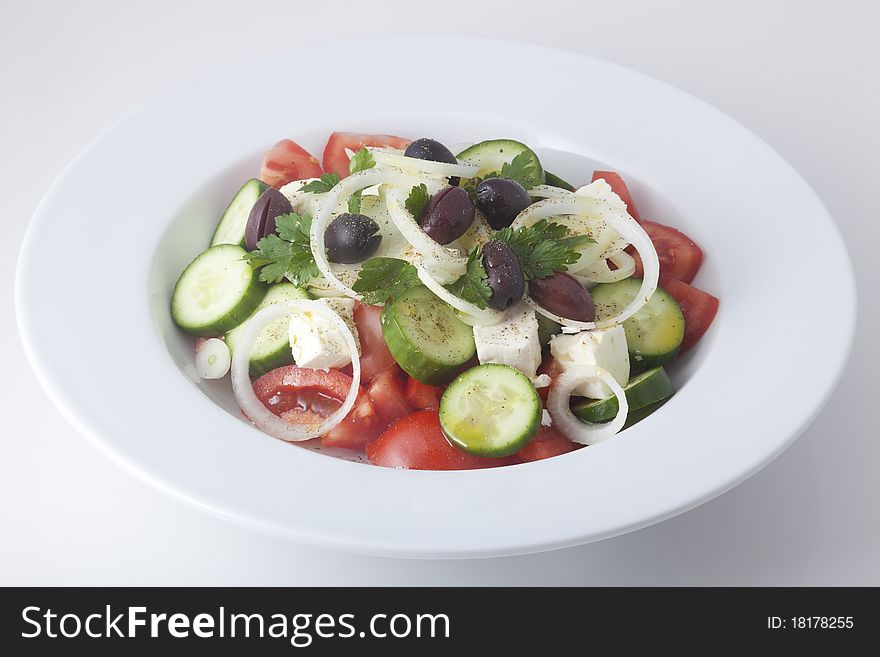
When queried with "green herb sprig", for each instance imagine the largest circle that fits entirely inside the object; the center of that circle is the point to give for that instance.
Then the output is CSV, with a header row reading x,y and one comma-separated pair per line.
x,y
286,254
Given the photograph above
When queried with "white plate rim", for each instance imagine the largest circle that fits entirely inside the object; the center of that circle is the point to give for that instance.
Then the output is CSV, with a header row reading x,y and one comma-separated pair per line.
x,y
452,544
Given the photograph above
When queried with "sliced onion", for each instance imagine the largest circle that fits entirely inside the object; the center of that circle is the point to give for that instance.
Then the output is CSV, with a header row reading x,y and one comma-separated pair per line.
x,y
326,292
330,201
391,158
576,430
261,416
624,263
445,264
549,191
598,199
600,272
473,315
607,240
213,359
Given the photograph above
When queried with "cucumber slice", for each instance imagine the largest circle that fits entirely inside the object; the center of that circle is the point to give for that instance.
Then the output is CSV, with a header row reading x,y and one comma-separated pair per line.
x,y
547,328
655,332
490,410
216,292
232,224
491,154
634,417
643,390
272,348
426,337
555,181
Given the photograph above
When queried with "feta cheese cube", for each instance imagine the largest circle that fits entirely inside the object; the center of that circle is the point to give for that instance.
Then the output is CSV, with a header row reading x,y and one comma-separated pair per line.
x,y
605,348
513,341
318,344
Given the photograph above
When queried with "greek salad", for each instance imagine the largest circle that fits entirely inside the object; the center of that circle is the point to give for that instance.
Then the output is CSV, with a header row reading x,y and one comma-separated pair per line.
x,y
439,309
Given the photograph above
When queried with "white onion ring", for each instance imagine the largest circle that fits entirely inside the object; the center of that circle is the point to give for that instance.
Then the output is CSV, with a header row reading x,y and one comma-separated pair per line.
x,y
391,158
612,242
598,199
473,315
346,187
326,293
548,191
261,416
624,263
576,430
435,255
600,272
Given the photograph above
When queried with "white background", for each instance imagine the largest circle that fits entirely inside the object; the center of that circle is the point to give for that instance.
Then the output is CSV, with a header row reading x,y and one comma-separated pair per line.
x,y
803,75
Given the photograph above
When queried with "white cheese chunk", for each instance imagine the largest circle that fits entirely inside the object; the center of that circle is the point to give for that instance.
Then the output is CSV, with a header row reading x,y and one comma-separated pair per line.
x,y
318,344
513,341
605,348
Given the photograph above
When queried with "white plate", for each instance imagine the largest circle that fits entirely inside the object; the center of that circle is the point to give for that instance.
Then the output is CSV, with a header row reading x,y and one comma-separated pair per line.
x,y
115,230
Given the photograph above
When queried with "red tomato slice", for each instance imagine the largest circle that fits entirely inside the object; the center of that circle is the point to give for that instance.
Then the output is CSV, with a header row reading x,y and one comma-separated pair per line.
x,y
680,257
388,391
698,307
335,159
619,187
375,356
546,444
287,161
422,396
304,396
416,442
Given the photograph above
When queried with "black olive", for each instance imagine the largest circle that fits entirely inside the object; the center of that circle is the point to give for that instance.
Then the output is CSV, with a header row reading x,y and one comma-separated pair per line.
x,y
261,220
563,295
500,200
448,215
506,279
351,238
430,149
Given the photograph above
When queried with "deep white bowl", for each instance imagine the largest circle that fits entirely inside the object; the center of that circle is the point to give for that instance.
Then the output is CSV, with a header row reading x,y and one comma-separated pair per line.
x,y
118,226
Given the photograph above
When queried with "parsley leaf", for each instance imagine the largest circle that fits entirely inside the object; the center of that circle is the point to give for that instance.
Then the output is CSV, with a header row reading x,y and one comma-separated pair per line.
x,y
324,184
521,169
473,285
361,161
417,200
544,248
292,227
384,279
287,254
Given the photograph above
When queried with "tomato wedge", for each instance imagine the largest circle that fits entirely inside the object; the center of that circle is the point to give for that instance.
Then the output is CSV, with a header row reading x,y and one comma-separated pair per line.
x,y
287,161
336,161
422,396
375,356
619,187
680,257
305,396
546,444
388,392
416,442
699,309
